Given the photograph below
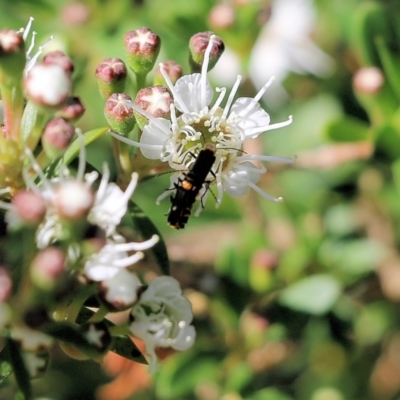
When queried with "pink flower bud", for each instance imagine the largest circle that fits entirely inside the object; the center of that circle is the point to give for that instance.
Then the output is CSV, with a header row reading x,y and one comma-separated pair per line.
x,y
73,199
118,114
198,45
155,100
72,110
75,14
5,284
368,80
141,47
111,76
57,135
12,53
173,70
222,16
60,58
48,85
47,266
30,207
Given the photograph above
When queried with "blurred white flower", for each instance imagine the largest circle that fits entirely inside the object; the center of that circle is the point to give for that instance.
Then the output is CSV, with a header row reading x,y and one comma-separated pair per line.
x,y
162,317
285,45
113,256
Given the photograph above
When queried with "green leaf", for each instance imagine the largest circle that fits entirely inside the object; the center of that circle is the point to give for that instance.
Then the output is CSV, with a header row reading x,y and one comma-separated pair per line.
x,y
314,295
66,332
20,371
147,229
122,344
269,394
347,130
370,22
391,65
388,140
88,137
5,371
125,347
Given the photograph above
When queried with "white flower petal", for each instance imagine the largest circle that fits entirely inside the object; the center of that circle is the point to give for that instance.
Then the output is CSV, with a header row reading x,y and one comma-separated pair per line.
x,y
155,134
252,116
188,92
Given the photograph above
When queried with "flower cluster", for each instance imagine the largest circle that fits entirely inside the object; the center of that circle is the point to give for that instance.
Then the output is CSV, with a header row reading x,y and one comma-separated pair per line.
x,y
71,237
77,226
195,124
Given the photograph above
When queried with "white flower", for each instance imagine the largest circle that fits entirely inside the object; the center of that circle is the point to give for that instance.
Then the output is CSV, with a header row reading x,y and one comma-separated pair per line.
x,y
106,264
106,208
285,45
162,317
111,203
199,124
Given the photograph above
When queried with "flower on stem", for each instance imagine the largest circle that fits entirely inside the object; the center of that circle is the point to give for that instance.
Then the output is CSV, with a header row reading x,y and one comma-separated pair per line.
x,y
111,77
106,264
141,47
162,317
48,85
196,123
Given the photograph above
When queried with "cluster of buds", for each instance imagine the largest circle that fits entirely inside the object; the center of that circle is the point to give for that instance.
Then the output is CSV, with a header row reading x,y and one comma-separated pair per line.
x,y
71,235
177,121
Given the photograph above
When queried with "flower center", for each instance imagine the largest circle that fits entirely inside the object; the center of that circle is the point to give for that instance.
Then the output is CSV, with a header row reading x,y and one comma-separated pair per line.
x,y
207,129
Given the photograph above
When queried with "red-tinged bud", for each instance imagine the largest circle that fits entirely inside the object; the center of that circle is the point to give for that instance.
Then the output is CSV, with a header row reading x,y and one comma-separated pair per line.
x,y
111,77
198,45
173,70
222,16
75,14
48,85
73,200
57,135
5,284
46,267
29,207
141,47
368,80
121,291
118,114
156,100
72,110
12,54
60,58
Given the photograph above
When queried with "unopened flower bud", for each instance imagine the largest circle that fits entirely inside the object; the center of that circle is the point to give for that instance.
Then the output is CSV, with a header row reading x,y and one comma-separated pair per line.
x,y
75,14
173,70
46,267
60,58
29,207
368,80
48,85
198,45
72,110
5,284
156,100
111,76
121,291
12,54
57,135
73,200
222,16
141,47
119,116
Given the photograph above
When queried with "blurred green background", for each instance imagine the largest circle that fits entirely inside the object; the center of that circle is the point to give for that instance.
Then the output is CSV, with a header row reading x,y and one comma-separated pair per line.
x,y
292,301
